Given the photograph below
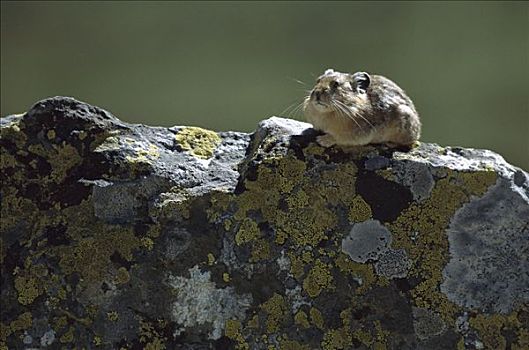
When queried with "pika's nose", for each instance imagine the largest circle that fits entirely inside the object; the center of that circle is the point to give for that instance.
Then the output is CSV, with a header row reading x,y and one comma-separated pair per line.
x,y
316,95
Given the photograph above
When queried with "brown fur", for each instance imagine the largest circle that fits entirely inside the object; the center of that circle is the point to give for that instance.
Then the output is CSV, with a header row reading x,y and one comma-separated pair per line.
x,y
348,115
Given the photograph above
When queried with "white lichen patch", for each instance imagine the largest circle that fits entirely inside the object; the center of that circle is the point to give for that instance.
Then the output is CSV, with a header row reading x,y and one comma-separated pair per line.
x,y
427,324
393,264
489,242
366,241
48,338
198,303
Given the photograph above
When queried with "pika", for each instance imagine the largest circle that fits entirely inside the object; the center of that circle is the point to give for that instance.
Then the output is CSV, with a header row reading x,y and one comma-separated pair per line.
x,y
359,109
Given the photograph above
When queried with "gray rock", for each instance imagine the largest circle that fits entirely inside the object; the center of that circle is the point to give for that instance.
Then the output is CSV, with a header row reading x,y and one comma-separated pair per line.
x,y
118,235
367,240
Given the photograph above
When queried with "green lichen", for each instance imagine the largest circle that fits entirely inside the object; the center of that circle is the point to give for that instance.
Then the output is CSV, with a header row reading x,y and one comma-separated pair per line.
x,y
318,279
429,220
199,142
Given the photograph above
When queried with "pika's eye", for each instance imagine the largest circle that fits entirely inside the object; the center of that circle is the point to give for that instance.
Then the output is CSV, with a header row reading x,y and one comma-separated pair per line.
x,y
333,84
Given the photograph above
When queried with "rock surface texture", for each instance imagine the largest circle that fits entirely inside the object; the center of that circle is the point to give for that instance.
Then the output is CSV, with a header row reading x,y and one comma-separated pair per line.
x,y
121,236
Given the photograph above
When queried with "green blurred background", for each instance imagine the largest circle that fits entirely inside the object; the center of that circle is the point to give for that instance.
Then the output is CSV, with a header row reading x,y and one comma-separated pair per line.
x,y
225,66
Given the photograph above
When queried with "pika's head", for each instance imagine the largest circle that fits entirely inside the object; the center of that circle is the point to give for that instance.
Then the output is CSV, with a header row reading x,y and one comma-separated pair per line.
x,y
335,91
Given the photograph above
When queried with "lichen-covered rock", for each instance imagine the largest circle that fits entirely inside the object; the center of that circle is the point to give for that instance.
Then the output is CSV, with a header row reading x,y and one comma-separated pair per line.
x,y
127,236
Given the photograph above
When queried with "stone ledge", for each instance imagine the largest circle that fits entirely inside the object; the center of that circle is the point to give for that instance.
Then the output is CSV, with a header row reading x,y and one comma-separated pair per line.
x,y
117,235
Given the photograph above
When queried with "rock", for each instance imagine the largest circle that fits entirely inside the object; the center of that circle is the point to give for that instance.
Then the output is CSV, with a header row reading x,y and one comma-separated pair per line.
x,y
128,236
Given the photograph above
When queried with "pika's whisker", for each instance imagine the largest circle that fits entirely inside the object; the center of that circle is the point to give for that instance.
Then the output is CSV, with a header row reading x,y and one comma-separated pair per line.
x,y
341,110
295,111
359,115
297,81
288,108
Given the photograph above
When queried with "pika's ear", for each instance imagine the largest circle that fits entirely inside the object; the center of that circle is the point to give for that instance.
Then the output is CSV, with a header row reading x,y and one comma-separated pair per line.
x,y
361,81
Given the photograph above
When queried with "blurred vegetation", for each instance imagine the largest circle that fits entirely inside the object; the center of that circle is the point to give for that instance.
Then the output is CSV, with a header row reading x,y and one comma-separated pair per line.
x,y
227,65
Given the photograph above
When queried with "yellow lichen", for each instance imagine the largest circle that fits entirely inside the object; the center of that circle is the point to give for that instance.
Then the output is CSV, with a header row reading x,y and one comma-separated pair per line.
x,y
381,336
302,224
292,345
491,329
276,309
62,158
232,330
219,203
122,276
359,210
113,316
248,231
363,336
226,277
363,273
93,243
340,338
302,319
296,266
318,279
317,318
260,251
147,242
14,133
523,339
68,336
428,220
336,339
27,288
199,142
152,339
23,322
254,322
211,259
142,154
155,344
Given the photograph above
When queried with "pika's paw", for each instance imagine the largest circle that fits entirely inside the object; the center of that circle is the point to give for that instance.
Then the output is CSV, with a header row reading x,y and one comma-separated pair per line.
x,y
326,140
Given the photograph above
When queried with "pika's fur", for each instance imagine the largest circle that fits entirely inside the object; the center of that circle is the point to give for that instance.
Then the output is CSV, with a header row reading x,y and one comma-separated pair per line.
x,y
359,109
